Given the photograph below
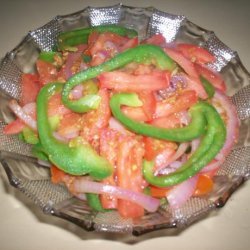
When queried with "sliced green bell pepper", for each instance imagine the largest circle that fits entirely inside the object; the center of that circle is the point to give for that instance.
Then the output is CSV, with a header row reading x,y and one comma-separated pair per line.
x,y
77,158
145,54
211,143
68,39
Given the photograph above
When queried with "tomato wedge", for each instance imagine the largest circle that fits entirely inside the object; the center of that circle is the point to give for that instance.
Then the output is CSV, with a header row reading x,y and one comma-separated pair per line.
x,y
30,87
159,192
170,121
149,103
154,147
131,43
14,127
190,69
69,125
196,53
57,175
109,141
47,72
204,185
123,81
157,39
212,76
170,106
129,175
56,107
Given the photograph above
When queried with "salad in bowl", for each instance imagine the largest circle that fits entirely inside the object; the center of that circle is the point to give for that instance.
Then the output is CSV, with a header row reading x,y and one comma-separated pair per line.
x,y
130,121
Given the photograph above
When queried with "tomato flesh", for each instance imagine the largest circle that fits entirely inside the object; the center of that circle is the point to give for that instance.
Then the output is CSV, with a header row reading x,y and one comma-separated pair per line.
x,y
30,86
14,127
129,176
195,53
122,81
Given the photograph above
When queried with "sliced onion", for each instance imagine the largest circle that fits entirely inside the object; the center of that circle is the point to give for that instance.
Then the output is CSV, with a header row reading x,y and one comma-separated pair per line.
x,y
184,117
77,91
170,168
83,66
72,57
232,123
81,185
182,192
71,134
30,109
116,125
22,115
195,144
60,137
81,196
178,154
212,166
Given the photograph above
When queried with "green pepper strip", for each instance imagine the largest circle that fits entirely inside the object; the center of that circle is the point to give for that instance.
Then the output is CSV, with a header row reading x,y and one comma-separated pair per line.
x,y
205,121
77,158
193,130
145,53
209,147
80,36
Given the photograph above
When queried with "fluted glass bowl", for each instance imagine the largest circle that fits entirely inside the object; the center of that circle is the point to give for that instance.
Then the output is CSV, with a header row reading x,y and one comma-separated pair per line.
x,y
33,180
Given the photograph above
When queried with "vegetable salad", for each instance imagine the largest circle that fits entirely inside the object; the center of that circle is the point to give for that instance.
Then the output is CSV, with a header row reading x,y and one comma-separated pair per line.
x,y
126,124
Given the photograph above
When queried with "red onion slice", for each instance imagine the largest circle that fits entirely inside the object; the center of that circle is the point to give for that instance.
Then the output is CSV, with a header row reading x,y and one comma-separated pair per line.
x,y
77,91
60,137
212,166
172,158
116,125
182,192
72,57
81,185
232,123
195,144
22,115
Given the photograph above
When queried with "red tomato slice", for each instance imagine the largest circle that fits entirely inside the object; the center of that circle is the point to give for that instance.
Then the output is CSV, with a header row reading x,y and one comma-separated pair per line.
x,y
103,111
122,81
149,103
95,120
56,107
70,125
164,108
170,121
109,140
185,63
107,41
195,53
204,185
159,192
190,69
30,87
157,39
137,114
57,175
182,102
99,118
47,72
93,37
129,175
131,43
14,127
212,76
154,147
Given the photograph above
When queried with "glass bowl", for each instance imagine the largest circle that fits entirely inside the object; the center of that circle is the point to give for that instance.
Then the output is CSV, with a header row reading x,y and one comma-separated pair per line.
x,y
33,180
